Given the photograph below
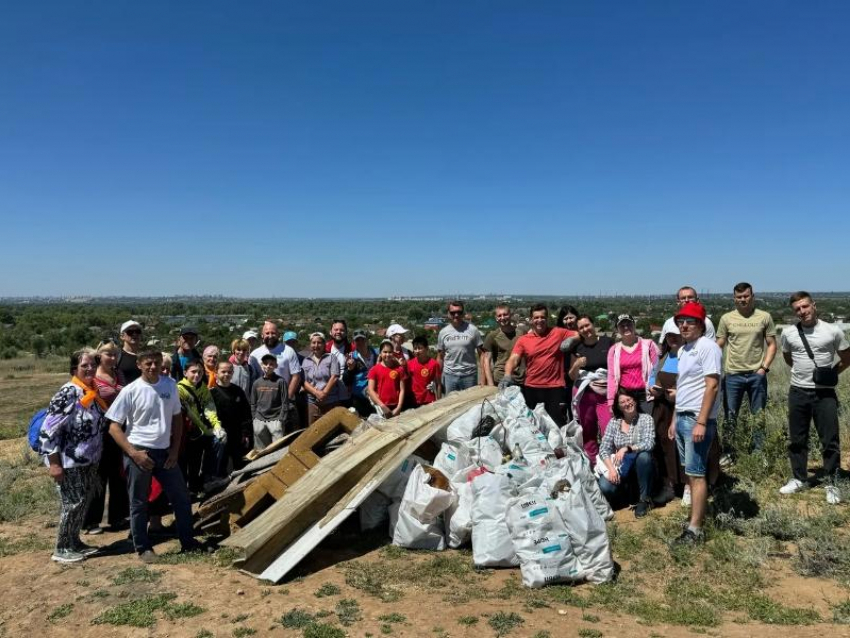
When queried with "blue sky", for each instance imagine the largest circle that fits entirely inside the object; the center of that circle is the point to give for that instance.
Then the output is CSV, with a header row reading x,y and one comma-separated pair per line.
x,y
380,148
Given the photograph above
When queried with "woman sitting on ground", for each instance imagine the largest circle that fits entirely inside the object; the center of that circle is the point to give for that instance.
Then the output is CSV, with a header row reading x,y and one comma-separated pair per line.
x,y
71,441
626,453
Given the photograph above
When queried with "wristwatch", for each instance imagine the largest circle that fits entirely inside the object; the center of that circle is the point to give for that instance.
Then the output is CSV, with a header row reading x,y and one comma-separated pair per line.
x,y
765,368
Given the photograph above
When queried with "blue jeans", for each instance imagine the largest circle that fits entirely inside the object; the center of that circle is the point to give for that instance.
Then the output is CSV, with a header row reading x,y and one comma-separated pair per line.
x,y
643,469
453,382
736,385
693,456
174,486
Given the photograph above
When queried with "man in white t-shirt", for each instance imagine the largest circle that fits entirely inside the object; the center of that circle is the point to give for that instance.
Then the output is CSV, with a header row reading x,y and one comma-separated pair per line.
x,y
697,401
288,369
687,294
811,398
147,426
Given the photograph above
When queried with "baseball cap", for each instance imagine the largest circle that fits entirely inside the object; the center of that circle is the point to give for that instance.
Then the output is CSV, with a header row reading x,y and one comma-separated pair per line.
x,y
317,334
268,357
361,334
130,324
250,334
624,317
289,335
395,329
692,309
188,330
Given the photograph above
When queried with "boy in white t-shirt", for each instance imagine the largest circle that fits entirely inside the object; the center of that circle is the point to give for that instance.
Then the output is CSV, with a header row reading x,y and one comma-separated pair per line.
x,y
147,426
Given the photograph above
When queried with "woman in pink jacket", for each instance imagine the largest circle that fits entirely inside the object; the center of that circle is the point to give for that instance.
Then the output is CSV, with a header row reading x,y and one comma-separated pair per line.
x,y
630,363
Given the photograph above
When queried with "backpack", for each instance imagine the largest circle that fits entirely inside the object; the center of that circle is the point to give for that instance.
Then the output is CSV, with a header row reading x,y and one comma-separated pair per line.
x,y
35,429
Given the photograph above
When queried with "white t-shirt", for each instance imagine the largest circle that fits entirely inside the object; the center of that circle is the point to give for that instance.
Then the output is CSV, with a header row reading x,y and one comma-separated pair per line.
x,y
825,340
697,360
340,387
287,361
670,326
146,411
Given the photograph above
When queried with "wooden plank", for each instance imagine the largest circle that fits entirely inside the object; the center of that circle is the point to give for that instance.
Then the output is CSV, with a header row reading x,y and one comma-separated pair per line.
x,y
321,529
324,486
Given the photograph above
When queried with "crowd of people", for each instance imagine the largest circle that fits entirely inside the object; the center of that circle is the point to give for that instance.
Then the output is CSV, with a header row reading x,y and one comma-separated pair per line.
x,y
155,429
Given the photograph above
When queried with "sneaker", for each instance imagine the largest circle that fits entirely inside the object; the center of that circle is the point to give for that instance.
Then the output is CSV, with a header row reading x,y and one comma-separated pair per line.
x,y
833,495
148,557
689,538
86,550
664,496
686,496
792,487
67,556
642,508
94,531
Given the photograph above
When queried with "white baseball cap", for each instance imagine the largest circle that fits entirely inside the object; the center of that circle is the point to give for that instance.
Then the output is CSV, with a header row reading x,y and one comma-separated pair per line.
x,y
130,324
395,329
250,334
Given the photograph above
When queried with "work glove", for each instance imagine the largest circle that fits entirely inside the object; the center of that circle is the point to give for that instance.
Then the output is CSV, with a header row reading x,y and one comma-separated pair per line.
x,y
220,434
506,382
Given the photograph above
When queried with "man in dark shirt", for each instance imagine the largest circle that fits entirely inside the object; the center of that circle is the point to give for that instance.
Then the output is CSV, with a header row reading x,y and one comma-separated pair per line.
x,y
498,345
186,352
131,336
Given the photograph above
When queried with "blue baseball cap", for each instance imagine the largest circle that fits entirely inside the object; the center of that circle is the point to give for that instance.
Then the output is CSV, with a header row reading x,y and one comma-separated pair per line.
x,y
289,335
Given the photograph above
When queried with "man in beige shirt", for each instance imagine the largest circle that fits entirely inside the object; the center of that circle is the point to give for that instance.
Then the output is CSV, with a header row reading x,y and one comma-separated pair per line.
x,y
748,337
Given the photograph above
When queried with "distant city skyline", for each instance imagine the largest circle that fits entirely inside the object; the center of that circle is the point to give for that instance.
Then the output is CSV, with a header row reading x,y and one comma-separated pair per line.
x,y
379,148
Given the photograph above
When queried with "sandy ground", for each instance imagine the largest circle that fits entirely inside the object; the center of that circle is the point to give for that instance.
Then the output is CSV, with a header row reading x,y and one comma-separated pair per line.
x,y
234,602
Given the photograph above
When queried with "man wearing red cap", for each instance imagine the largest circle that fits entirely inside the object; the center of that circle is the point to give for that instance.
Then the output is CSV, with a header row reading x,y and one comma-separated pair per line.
x,y
697,401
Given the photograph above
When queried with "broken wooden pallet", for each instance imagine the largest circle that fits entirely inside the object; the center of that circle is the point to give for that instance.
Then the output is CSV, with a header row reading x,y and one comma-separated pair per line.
x,y
332,489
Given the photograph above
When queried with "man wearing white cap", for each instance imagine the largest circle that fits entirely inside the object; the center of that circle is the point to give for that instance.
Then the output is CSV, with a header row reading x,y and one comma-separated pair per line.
x,y
396,333
131,336
252,337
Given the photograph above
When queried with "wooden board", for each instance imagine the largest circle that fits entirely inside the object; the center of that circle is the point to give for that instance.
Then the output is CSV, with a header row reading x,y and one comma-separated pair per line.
x,y
332,485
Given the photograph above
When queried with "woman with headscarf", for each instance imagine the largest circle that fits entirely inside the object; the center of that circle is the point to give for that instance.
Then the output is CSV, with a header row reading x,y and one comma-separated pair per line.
x,y
71,441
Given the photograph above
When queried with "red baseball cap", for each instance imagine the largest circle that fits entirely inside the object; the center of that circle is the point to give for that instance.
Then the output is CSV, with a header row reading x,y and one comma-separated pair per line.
x,y
692,309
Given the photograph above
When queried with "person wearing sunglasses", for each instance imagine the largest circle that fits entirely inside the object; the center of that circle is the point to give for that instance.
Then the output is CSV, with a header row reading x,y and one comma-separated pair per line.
x,y
457,345
131,338
697,402
686,294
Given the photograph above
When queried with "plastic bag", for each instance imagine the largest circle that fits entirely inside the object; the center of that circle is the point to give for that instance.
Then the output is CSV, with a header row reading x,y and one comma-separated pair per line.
x,y
394,485
491,540
547,425
524,434
573,436
463,428
484,451
459,515
541,541
510,403
451,458
417,521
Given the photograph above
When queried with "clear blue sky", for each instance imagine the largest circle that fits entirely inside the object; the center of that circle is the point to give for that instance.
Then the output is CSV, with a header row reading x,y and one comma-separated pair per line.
x,y
378,148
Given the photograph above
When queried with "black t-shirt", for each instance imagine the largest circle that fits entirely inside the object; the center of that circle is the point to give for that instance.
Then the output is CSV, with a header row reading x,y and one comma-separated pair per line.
x,y
597,354
233,409
127,367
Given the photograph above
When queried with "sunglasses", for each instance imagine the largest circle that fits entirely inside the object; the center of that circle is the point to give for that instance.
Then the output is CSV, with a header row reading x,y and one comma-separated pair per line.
x,y
134,331
686,321
456,313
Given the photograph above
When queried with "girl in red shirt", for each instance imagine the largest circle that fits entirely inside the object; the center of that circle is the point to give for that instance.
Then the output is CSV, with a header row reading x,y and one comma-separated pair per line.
x,y
386,382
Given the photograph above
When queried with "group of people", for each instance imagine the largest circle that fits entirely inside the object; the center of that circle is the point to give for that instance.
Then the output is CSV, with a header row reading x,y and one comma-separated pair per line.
x,y
153,427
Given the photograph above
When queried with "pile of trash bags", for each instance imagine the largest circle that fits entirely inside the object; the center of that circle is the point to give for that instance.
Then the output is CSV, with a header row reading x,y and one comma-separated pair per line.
x,y
512,483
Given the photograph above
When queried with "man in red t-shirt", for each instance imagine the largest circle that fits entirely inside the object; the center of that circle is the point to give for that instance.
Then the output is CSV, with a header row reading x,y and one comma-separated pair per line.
x,y
543,349
424,373
386,382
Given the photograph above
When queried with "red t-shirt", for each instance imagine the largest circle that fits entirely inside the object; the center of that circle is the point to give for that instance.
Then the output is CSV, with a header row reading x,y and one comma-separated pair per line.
x,y
420,376
544,361
387,383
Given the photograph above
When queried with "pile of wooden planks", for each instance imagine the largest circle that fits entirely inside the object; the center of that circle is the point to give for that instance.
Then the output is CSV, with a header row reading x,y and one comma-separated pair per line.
x,y
332,489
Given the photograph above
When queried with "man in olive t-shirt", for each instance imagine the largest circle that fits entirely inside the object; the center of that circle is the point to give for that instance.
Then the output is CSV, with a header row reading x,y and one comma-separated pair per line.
x,y
498,345
748,337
